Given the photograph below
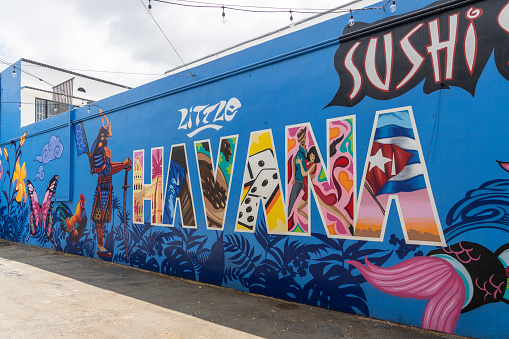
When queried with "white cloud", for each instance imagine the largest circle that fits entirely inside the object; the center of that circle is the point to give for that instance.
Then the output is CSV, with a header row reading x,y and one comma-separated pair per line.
x,y
118,35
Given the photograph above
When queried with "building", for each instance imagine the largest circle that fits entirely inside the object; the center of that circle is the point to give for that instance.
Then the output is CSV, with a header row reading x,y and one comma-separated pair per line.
x,y
47,90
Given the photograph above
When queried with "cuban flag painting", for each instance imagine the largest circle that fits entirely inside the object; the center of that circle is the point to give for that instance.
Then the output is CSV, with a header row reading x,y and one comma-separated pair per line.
x,y
395,170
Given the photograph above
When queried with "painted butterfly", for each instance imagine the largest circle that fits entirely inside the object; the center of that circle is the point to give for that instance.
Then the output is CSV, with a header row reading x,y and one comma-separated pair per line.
x,y
42,213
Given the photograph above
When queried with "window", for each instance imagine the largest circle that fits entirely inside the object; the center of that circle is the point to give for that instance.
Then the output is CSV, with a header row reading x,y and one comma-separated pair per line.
x,y
47,108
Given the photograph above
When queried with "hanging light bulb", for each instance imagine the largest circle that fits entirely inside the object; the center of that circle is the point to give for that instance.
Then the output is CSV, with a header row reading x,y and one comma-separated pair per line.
x,y
223,18
55,109
291,19
20,106
88,111
14,74
149,8
393,6
351,22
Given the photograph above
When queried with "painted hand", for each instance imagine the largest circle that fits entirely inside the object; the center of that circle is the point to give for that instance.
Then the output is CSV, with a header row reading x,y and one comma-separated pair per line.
x,y
128,164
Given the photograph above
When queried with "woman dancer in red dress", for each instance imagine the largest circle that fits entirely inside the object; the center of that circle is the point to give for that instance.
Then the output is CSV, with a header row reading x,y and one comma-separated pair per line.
x,y
328,201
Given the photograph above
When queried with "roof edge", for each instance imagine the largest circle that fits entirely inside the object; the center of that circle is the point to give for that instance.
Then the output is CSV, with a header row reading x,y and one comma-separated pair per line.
x,y
73,73
49,92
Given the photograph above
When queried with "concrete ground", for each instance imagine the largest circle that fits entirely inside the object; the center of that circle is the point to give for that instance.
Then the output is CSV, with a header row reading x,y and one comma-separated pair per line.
x,y
48,294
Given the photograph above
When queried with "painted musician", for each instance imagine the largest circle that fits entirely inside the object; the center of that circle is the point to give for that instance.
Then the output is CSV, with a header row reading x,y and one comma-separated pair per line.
x,y
100,159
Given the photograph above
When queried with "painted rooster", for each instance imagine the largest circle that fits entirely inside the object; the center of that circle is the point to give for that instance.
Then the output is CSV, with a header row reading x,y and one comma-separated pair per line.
x,y
74,224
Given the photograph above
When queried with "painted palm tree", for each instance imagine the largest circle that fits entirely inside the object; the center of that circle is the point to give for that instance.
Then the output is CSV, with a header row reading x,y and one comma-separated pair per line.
x,y
115,206
157,172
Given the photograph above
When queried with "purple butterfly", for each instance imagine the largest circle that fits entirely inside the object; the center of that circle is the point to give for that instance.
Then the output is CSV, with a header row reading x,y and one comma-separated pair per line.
x,y
42,213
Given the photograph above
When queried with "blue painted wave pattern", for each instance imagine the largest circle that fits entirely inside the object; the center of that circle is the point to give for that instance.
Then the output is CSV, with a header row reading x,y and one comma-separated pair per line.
x,y
483,207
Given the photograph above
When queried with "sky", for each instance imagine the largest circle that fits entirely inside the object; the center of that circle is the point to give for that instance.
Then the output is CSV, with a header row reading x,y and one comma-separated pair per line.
x,y
119,35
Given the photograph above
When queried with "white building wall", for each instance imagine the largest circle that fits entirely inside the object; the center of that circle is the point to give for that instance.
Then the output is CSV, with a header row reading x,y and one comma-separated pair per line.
x,y
45,78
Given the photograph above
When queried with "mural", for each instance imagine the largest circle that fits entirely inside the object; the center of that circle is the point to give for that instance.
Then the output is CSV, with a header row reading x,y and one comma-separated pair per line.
x,y
42,213
423,54
73,224
261,183
178,189
306,172
50,151
388,195
395,170
458,278
40,173
14,214
199,118
152,192
101,164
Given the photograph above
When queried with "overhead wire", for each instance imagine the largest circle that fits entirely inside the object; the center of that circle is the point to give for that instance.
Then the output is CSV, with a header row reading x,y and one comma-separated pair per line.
x,y
262,9
167,39
87,70
247,6
28,73
202,4
101,71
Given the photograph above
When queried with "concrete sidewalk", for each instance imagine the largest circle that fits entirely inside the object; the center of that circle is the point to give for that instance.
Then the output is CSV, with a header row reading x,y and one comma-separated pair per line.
x,y
44,293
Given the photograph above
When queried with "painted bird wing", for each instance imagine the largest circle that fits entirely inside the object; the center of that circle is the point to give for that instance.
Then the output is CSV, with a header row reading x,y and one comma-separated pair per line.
x,y
62,213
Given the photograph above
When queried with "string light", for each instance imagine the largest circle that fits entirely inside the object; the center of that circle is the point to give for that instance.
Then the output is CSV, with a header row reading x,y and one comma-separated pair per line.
x,y
88,110
265,9
55,109
223,18
149,8
260,9
168,40
14,74
351,22
23,71
393,6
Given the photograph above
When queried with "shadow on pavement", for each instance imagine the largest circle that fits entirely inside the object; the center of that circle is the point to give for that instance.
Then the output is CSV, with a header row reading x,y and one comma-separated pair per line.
x,y
254,314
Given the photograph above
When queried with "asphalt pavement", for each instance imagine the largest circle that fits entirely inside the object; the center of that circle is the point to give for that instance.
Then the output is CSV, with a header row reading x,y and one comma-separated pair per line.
x,y
48,294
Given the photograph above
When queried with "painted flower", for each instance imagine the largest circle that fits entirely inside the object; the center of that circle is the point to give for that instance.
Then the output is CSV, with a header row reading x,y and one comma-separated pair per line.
x,y
18,182
22,139
6,154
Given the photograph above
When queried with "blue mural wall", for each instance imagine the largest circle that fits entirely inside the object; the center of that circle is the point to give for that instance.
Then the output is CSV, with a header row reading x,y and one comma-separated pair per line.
x,y
365,174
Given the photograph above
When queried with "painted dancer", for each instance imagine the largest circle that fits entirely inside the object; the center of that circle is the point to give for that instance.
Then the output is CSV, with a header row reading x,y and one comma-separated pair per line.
x,y
298,179
327,201
100,159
